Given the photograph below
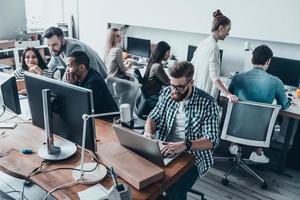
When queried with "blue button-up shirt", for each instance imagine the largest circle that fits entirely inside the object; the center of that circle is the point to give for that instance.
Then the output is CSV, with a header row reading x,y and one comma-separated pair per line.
x,y
201,121
257,85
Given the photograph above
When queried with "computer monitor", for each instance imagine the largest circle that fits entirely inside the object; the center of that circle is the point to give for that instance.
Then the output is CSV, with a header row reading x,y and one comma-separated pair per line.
x,y
192,49
65,104
287,70
9,97
138,47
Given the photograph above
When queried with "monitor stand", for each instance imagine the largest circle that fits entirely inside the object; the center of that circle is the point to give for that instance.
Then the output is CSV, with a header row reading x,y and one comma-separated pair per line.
x,y
62,149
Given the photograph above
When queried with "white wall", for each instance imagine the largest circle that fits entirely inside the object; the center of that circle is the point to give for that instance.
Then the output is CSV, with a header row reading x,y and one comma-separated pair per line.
x,y
12,17
94,16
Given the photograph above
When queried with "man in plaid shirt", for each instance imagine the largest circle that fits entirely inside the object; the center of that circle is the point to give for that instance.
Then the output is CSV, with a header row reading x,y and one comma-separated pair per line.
x,y
186,118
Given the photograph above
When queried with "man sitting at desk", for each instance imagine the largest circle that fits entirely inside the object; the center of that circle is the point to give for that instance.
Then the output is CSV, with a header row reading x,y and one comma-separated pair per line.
x,y
187,119
79,73
257,85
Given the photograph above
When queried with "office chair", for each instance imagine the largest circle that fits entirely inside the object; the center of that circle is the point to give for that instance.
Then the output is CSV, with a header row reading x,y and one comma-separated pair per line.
x,y
248,123
124,91
141,108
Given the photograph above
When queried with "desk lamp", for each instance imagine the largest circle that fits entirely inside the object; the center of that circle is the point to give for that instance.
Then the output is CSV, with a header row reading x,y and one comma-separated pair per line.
x,y
96,173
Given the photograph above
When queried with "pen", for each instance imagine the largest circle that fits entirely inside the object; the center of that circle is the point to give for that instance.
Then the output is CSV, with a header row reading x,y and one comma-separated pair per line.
x,y
113,175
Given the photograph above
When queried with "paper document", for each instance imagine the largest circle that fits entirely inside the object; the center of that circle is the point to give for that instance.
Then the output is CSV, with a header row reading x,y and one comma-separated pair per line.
x,y
96,192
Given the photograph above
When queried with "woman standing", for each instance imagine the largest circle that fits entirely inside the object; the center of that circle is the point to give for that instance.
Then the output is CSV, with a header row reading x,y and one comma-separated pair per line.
x,y
207,58
155,76
113,55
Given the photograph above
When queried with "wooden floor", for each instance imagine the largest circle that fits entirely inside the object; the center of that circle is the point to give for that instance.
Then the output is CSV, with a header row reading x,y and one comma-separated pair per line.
x,y
241,186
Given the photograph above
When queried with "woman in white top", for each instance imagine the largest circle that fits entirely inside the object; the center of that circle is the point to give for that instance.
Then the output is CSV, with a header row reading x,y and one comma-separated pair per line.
x,y
206,58
113,55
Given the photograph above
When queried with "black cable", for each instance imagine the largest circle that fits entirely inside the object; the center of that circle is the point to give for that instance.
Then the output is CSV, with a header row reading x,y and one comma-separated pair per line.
x,y
4,108
69,168
29,175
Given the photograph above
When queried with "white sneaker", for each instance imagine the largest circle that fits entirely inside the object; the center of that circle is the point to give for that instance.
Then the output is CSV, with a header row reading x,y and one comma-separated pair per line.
x,y
259,159
233,149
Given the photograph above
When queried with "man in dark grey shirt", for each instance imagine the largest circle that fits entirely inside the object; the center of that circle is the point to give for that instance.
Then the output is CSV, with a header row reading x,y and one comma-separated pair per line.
x,y
60,48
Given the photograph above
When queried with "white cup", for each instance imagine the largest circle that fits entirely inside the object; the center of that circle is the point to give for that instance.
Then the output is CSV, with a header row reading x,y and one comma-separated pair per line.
x,y
125,112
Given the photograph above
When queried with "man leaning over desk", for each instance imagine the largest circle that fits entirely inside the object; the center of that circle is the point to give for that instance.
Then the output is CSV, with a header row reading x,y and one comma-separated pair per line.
x,y
186,118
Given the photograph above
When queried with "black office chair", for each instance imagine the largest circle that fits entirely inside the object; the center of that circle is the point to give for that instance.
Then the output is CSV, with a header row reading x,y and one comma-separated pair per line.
x,y
248,123
141,108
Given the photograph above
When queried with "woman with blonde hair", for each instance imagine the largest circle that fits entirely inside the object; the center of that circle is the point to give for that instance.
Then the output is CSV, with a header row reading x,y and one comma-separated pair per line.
x,y
206,58
113,55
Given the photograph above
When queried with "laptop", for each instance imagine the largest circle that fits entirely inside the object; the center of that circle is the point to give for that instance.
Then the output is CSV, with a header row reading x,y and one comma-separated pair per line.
x,y
146,147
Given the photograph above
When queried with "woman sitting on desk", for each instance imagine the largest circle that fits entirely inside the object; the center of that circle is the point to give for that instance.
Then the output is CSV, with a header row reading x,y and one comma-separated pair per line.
x,y
33,62
155,76
113,55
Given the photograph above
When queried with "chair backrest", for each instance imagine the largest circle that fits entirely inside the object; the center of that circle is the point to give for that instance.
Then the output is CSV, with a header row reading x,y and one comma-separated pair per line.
x,y
250,123
137,74
142,107
123,91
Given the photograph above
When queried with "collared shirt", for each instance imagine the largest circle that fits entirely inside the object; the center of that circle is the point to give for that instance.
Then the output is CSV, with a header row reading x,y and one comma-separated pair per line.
x,y
257,85
201,121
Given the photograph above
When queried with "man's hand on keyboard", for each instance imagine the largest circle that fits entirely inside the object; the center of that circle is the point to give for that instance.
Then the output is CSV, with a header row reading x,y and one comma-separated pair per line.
x,y
172,148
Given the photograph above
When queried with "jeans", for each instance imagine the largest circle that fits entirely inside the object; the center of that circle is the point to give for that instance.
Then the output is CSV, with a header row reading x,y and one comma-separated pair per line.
x,y
179,190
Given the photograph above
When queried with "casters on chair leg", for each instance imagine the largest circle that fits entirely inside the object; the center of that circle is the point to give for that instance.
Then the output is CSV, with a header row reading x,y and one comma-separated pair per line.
x,y
225,181
264,185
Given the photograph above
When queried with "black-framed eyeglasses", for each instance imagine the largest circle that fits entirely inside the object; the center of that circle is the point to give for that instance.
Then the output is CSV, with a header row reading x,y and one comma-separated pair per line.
x,y
180,88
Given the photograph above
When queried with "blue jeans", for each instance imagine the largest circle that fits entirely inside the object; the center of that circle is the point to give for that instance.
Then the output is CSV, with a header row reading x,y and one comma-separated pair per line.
x,y
179,190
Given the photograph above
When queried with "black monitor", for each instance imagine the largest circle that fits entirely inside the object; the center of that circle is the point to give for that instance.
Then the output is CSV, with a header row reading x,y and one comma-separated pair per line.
x,y
138,47
9,97
192,49
66,106
287,70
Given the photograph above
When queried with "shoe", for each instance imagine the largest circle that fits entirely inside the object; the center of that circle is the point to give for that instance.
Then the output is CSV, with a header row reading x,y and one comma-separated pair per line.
x,y
233,149
259,159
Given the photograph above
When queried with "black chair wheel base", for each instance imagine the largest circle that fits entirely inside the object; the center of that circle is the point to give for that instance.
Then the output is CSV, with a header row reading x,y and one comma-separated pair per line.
x,y
264,185
225,181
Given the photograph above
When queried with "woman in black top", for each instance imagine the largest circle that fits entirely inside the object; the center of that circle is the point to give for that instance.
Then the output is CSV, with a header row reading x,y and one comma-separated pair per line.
x,y
155,76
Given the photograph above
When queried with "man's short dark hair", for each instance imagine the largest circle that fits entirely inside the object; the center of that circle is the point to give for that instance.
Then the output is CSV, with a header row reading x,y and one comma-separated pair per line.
x,y
182,69
261,55
51,31
80,58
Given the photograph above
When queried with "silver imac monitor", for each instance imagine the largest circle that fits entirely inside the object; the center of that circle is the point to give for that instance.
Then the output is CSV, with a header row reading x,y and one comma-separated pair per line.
x,y
58,107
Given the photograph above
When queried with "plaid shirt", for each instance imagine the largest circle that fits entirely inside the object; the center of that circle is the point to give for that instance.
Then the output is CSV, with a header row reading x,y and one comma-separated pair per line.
x,y
201,121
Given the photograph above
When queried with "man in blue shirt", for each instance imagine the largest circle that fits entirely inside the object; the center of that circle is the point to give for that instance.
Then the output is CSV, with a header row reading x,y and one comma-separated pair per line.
x,y
257,85
187,119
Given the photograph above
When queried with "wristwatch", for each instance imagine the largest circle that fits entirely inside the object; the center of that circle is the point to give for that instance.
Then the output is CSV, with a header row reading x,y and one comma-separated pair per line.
x,y
188,143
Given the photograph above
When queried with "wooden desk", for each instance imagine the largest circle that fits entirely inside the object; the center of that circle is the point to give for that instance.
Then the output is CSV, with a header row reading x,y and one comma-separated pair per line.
x,y
28,136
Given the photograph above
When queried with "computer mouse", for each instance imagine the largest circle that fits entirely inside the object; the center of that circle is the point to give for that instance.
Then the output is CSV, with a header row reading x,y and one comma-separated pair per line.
x,y
290,94
26,151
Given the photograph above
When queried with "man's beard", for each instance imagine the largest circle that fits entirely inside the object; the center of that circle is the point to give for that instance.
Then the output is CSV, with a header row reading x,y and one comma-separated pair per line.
x,y
57,53
176,96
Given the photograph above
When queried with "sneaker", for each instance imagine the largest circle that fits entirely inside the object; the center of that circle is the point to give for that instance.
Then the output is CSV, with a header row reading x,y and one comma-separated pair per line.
x,y
259,159
233,149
